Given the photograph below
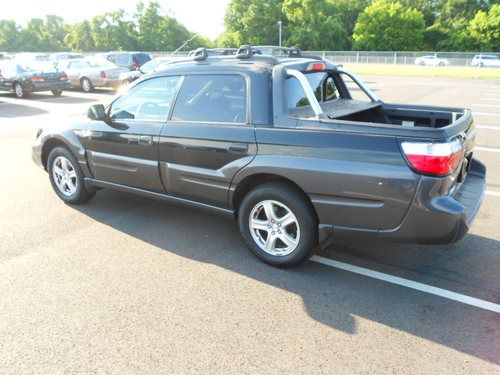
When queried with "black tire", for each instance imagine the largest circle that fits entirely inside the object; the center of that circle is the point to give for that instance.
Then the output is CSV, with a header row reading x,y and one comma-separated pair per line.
x,y
298,205
81,194
57,92
422,63
481,65
19,91
86,85
441,63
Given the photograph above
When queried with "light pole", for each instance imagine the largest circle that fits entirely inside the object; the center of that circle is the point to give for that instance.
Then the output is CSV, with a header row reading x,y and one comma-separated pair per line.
x,y
279,32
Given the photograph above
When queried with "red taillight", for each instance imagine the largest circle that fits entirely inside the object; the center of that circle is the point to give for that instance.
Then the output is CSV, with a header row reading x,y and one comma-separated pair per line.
x,y
37,79
103,74
64,77
135,66
438,159
316,67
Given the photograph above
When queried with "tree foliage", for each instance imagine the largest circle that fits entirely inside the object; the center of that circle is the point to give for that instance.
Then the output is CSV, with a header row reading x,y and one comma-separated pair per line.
x,y
388,26
446,25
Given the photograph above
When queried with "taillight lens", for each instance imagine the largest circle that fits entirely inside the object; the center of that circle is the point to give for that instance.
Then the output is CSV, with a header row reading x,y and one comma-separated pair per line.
x,y
437,159
135,66
103,74
316,67
37,79
64,77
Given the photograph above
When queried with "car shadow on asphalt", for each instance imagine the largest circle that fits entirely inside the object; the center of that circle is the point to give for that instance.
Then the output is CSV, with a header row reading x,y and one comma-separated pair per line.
x,y
337,299
19,110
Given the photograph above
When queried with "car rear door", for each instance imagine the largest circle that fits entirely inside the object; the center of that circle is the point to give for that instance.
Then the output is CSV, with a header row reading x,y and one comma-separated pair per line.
x,y
208,139
124,150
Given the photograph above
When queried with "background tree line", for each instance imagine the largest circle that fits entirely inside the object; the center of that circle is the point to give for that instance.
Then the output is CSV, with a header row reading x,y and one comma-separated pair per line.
x,y
379,25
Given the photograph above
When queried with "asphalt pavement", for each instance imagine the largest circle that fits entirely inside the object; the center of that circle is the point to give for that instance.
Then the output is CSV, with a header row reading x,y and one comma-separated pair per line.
x,y
127,285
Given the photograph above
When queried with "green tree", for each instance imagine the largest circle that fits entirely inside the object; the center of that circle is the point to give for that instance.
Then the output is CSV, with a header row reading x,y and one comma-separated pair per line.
x,y
111,31
252,22
388,26
313,25
485,29
80,37
10,33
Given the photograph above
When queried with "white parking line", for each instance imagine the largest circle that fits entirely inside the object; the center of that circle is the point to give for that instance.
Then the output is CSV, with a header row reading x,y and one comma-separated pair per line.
x,y
488,127
493,193
490,149
486,105
476,302
485,113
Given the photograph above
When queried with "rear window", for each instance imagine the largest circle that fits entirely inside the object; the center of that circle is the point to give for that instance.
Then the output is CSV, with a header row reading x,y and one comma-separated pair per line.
x,y
212,98
322,84
141,58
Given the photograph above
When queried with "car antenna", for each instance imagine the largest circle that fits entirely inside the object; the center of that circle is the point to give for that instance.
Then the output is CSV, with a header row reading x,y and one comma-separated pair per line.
x,y
184,44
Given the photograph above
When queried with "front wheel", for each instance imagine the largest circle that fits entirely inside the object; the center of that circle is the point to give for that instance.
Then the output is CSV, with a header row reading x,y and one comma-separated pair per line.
x,y
66,176
57,92
278,225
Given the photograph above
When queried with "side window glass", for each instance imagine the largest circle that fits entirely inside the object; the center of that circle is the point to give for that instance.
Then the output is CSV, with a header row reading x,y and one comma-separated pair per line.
x,y
148,101
331,92
295,94
212,98
122,59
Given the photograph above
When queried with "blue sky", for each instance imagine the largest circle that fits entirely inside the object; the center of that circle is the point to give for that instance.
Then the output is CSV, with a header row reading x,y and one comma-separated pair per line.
x,y
203,16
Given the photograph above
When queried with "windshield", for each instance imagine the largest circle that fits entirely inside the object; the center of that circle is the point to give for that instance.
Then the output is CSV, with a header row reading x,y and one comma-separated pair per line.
x,y
100,63
36,65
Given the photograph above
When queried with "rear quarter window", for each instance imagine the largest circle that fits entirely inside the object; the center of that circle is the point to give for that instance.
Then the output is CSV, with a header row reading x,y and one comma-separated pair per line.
x,y
141,58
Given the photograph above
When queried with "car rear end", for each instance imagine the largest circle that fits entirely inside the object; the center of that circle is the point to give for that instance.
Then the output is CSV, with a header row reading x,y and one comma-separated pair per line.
x,y
46,81
450,189
139,59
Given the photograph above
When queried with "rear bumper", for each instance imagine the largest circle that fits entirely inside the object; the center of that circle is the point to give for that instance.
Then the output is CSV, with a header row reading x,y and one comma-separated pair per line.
x,y
432,218
48,86
106,82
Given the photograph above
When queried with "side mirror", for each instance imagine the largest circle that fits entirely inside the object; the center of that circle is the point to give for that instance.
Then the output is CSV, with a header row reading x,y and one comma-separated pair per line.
x,y
97,112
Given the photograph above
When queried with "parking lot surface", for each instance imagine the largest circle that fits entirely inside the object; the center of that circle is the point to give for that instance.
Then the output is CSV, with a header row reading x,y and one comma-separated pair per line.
x,y
128,285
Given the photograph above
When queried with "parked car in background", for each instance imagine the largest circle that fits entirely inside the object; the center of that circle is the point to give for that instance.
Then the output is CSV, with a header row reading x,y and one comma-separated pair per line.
x,y
129,60
5,56
24,78
65,56
431,60
31,56
485,60
150,67
89,73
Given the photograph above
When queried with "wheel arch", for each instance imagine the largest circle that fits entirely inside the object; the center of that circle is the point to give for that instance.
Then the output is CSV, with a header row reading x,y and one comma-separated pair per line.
x,y
69,140
250,182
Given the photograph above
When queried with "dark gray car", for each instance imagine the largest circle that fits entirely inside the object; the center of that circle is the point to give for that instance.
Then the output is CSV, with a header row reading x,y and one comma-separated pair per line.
x,y
282,146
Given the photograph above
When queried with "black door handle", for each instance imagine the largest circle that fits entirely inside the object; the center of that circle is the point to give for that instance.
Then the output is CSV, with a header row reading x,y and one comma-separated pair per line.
x,y
238,148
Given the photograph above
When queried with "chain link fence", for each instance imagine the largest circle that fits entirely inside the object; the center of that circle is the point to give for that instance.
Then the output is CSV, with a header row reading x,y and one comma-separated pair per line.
x,y
401,58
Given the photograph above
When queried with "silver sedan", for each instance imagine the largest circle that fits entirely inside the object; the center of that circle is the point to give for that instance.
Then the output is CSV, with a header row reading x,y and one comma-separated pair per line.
x,y
89,73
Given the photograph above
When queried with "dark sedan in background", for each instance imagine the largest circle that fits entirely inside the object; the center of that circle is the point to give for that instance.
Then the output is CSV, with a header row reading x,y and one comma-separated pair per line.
x,y
25,78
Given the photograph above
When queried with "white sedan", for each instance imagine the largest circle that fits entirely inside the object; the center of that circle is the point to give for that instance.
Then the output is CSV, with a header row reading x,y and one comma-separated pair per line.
x,y
431,60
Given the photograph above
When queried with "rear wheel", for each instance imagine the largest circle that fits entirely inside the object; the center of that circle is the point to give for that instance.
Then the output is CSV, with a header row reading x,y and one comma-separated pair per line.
x,y
278,225
422,63
57,92
66,176
441,63
86,85
19,90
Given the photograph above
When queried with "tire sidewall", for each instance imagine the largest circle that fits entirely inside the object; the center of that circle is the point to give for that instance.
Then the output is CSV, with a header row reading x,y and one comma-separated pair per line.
x,y
57,92
80,192
300,208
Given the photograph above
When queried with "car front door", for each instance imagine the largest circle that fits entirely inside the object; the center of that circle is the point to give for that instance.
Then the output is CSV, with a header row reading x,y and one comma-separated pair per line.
x,y
208,138
124,149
